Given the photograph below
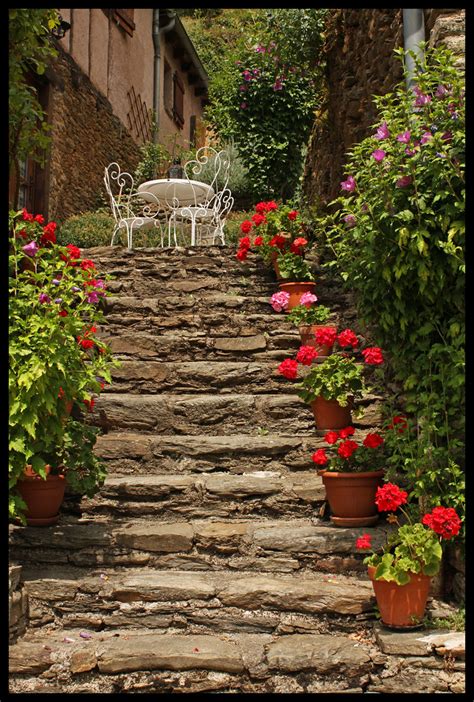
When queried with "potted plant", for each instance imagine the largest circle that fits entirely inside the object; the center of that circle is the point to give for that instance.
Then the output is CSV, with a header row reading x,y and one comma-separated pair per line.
x,y
402,570
309,317
331,387
55,360
351,473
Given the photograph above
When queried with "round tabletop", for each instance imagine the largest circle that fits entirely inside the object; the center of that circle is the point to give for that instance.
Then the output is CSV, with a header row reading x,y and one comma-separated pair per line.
x,y
176,191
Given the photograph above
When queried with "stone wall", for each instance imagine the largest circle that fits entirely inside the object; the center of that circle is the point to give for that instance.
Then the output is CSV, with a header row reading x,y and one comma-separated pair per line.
x,y
87,136
360,64
17,604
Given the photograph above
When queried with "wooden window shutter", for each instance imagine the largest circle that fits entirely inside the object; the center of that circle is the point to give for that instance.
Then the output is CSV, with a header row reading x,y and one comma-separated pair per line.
x,y
124,18
178,100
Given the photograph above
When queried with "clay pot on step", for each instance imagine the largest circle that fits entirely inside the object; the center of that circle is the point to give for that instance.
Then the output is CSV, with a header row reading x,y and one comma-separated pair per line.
x,y
351,497
307,335
295,291
42,497
401,606
329,414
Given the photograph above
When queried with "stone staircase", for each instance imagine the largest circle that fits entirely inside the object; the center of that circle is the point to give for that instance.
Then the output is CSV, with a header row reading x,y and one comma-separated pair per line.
x,y
207,562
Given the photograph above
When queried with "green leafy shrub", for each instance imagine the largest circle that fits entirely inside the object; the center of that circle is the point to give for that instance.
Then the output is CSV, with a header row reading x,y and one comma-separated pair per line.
x,y
55,357
87,229
398,242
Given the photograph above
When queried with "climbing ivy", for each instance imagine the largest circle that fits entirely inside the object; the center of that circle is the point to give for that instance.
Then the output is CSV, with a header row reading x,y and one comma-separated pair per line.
x,y
397,239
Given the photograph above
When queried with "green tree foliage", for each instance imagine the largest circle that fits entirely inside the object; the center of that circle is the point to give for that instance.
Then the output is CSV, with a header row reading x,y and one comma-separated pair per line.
x,y
398,240
30,50
265,76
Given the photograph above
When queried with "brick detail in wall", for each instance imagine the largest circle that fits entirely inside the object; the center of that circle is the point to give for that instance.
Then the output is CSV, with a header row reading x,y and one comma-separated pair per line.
x,y
360,64
87,136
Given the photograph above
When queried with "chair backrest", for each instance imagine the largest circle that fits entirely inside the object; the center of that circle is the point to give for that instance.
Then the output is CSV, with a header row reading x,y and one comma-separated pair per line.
x,y
119,186
210,166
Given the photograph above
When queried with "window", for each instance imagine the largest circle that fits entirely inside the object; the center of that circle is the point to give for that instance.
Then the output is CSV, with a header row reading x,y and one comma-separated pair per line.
x,y
178,100
192,131
168,89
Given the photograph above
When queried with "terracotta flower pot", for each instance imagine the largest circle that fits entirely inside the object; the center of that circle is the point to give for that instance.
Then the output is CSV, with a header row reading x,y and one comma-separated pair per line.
x,y
351,497
401,606
307,332
276,267
296,290
43,497
329,414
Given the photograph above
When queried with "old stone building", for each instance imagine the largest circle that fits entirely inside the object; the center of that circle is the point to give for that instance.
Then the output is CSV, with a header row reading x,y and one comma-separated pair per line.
x,y
115,69
360,63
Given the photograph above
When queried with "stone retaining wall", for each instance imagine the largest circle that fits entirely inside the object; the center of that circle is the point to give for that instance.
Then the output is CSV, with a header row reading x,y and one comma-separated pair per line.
x,y
17,604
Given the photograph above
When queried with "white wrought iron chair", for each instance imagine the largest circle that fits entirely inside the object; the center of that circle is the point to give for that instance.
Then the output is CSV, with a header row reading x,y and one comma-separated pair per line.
x,y
207,216
130,210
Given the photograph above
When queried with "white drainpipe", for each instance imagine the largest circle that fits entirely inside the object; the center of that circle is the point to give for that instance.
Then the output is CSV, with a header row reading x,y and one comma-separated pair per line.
x,y
413,34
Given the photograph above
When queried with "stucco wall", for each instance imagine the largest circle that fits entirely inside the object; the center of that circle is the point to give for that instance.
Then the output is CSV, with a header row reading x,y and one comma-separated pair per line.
x,y
112,59
360,64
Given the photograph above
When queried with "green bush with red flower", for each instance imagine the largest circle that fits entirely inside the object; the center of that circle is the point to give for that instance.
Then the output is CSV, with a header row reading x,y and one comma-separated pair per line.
x,y
277,234
413,547
350,456
55,357
339,376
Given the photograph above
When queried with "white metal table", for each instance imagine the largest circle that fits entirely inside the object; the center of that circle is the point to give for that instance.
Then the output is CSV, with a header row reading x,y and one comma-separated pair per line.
x,y
176,193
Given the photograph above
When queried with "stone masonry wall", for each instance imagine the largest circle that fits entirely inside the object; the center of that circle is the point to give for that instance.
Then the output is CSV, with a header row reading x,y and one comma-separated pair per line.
x,y
17,604
360,64
87,136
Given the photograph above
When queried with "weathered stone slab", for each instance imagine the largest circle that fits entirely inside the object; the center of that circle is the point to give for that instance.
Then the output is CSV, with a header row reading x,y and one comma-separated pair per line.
x,y
321,653
301,594
155,652
156,537
52,589
246,343
29,658
408,681
259,483
161,587
317,539
416,643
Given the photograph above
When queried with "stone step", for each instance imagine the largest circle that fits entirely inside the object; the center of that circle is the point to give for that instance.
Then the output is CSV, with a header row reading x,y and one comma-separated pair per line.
x,y
177,304
250,544
218,414
264,493
216,601
199,346
129,453
143,660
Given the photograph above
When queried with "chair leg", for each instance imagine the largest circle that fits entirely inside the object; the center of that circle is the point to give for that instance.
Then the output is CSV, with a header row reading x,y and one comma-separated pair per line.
x,y
114,233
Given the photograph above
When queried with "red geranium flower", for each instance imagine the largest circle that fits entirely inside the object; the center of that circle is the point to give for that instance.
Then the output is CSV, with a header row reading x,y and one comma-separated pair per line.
x,y
62,313
347,338
258,241
288,368
85,343
326,336
279,241
364,541
389,497
292,215
258,219
27,216
89,404
261,207
373,440
444,521
401,422
373,356
246,226
331,437
87,263
347,431
320,457
244,242
306,355
347,448
271,205
242,254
